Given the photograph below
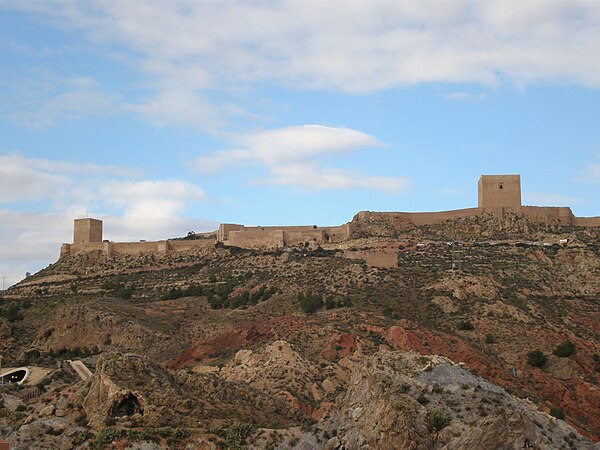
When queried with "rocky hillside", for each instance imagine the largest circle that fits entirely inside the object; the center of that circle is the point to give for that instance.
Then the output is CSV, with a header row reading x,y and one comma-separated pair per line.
x,y
485,335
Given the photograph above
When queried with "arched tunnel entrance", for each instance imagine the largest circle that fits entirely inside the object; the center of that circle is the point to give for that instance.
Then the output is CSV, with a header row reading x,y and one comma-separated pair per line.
x,y
16,376
127,406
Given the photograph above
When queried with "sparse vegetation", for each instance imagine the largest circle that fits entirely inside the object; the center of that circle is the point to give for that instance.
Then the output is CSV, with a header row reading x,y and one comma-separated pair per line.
x,y
465,325
536,358
13,312
310,303
172,435
565,349
557,412
437,421
235,435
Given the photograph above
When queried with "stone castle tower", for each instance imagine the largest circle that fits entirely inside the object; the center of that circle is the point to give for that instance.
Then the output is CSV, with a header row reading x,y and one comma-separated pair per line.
x,y
87,230
499,191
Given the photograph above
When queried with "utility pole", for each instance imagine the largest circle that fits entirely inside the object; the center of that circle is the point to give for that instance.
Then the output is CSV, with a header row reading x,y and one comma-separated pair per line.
x,y
3,280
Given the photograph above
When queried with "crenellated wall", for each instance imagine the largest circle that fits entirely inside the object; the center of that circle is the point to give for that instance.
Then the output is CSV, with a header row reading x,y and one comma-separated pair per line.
x,y
277,237
136,248
498,195
587,221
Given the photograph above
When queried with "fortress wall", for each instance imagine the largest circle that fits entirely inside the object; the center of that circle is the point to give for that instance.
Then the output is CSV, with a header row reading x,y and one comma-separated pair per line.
x,y
76,249
545,214
270,236
420,218
586,221
342,231
136,248
429,218
257,238
225,228
185,245
293,237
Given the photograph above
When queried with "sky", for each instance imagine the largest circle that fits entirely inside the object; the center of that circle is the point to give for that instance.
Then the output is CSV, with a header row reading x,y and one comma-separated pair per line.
x,y
161,117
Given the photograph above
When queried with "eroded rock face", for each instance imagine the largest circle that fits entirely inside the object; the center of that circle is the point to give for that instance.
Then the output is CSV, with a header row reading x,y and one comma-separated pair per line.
x,y
130,387
394,398
276,369
88,328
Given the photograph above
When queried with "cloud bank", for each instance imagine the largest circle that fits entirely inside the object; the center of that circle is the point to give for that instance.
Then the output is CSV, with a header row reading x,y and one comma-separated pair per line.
x,y
133,208
191,55
292,155
350,46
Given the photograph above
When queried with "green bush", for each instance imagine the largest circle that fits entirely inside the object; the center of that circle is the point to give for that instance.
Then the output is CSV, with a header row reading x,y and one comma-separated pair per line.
x,y
465,325
490,339
330,304
310,303
236,435
596,358
389,312
437,421
565,349
536,358
557,412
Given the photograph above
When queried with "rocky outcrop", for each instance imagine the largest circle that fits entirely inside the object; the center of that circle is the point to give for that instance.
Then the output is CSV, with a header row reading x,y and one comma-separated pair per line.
x,y
279,370
83,326
408,401
130,387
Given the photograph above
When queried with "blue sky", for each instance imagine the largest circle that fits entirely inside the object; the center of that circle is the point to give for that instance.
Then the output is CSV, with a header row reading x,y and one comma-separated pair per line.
x,y
164,116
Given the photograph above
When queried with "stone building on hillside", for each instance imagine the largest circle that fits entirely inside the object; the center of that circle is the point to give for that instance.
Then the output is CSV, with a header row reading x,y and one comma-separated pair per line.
x,y
497,195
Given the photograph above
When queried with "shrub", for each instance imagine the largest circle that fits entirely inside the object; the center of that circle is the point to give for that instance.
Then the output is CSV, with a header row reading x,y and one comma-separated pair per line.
x,y
122,292
565,349
490,339
557,412
236,435
536,358
389,312
465,325
596,358
437,421
309,303
422,399
330,303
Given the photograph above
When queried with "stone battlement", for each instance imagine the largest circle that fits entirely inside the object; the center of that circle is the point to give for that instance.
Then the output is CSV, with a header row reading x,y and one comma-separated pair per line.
x,y
497,195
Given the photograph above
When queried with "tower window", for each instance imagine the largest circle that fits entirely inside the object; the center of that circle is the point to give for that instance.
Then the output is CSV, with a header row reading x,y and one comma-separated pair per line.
x,y
501,187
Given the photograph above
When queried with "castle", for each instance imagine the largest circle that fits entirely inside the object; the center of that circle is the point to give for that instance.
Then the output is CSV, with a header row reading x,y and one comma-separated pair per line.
x,y
497,195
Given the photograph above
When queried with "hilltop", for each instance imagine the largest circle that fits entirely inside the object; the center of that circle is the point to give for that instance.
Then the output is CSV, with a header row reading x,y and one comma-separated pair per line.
x,y
320,346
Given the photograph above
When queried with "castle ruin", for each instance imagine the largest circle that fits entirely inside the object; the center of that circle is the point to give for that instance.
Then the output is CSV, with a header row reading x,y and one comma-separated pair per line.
x,y
497,195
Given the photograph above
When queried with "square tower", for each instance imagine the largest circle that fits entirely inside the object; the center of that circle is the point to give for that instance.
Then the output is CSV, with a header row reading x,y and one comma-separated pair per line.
x,y
499,190
87,230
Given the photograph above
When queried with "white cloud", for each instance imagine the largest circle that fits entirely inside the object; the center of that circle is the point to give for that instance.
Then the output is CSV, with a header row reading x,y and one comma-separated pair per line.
x,y
353,46
133,209
18,182
41,104
592,173
312,177
179,107
548,199
24,178
465,96
356,46
151,200
291,156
